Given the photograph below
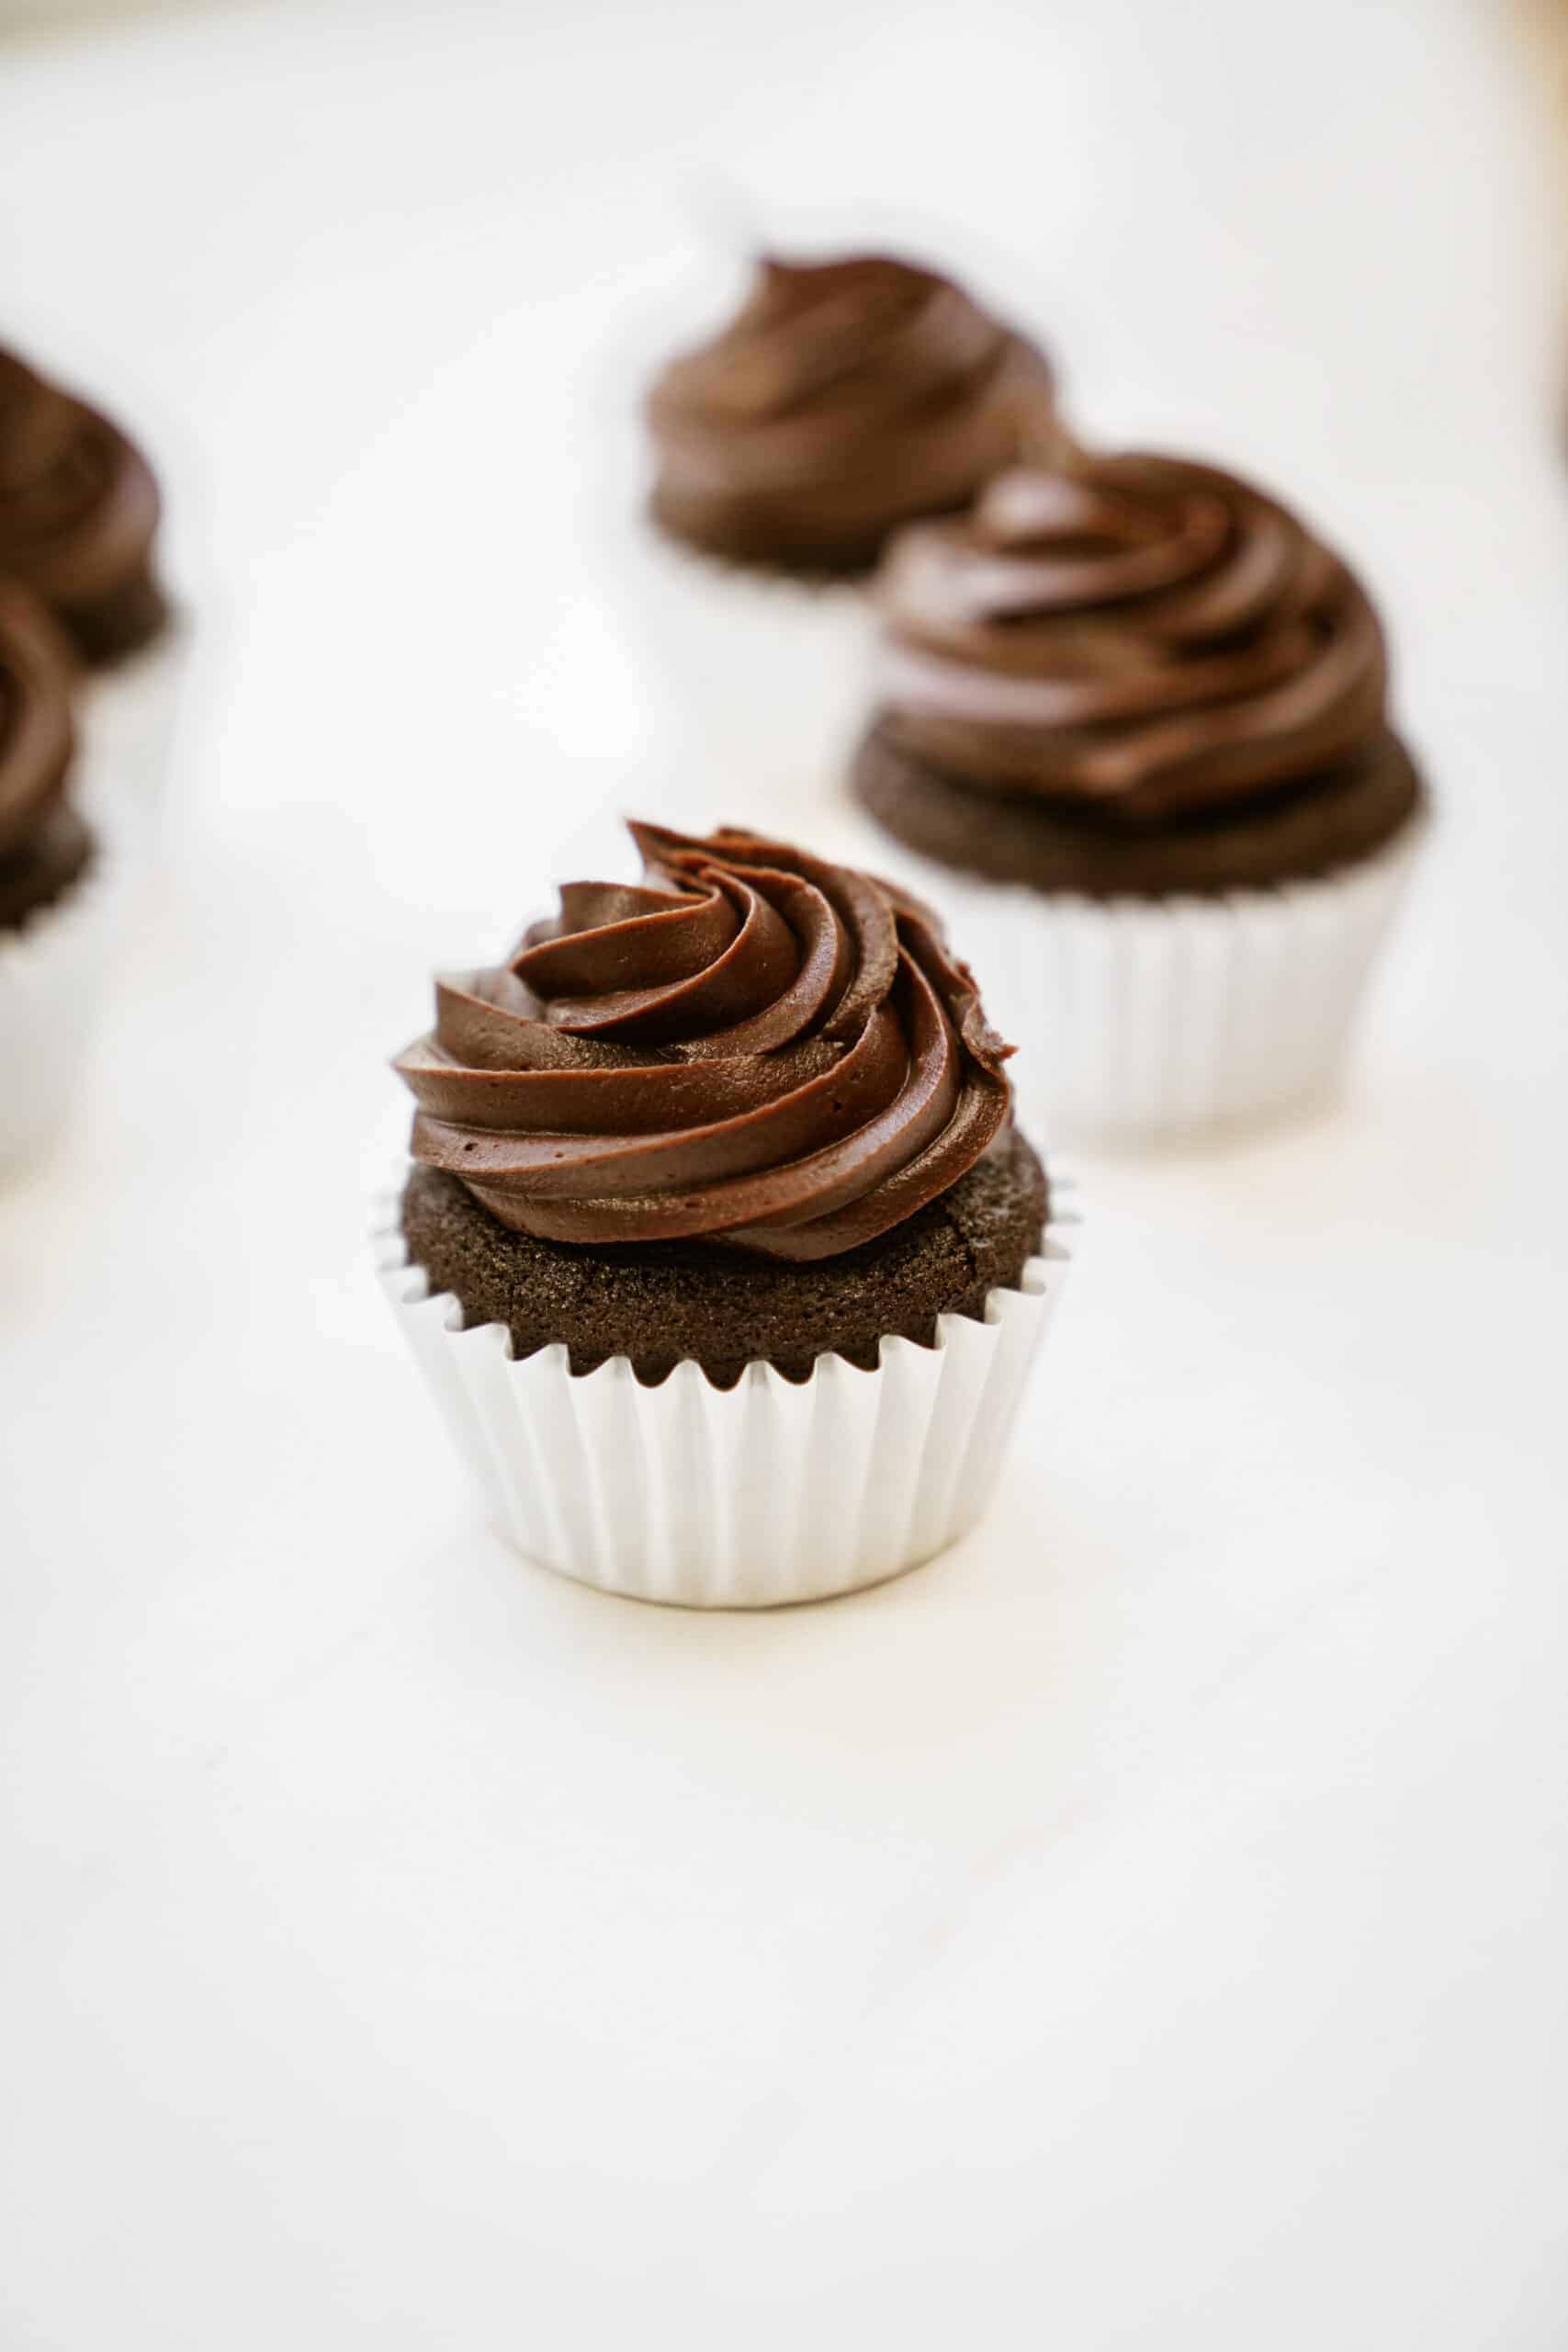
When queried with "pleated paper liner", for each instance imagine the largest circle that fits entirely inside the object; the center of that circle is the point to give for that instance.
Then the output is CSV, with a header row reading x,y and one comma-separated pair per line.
x,y
53,969
769,1492
1140,1019
756,680
128,715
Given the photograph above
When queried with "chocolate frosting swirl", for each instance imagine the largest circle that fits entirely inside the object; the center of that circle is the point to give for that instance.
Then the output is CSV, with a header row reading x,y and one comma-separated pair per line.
x,y
845,398
44,843
36,733
79,510
1137,636
751,1046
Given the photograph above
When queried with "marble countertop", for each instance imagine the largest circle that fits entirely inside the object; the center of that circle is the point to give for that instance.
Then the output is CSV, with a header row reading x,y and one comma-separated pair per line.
x,y
1144,1928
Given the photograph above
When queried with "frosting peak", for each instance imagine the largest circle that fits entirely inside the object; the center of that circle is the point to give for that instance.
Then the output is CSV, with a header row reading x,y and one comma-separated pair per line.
x,y
750,1046
844,398
1139,633
79,510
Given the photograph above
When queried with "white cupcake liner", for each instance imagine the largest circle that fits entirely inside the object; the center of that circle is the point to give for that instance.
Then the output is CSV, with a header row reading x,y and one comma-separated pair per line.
x,y
769,1492
52,971
129,714
1138,1019
756,680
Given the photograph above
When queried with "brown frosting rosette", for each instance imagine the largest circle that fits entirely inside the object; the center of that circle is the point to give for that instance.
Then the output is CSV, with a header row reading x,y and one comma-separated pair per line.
x,y
79,510
43,842
750,1046
1139,638
846,398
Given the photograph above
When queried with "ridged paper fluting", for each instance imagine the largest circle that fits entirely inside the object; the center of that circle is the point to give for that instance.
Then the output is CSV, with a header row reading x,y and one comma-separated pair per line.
x,y
755,680
129,717
1142,1018
769,1492
52,972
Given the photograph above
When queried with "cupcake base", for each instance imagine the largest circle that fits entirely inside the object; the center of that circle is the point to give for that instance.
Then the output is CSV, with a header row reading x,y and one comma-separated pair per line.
x,y
53,968
1166,981
1146,1020
660,1305
128,714
715,647
1005,835
769,1492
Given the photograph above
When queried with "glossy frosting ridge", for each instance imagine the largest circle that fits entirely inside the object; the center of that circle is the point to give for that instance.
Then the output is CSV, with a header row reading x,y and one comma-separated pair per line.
x,y
845,397
751,1046
1139,636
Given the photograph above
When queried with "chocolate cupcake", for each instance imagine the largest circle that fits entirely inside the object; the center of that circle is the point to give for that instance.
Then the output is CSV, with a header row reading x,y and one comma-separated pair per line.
x,y
53,896
1133,718
80,510
719,1245
847,397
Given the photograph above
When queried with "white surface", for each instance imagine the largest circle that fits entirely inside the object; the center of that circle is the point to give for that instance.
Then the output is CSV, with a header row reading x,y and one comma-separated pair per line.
x,y
1143,1928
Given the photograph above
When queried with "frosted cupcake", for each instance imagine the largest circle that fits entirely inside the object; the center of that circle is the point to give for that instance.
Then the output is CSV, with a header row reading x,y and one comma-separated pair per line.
x,y
55,897
1132,720
79,518
720,1246
845,399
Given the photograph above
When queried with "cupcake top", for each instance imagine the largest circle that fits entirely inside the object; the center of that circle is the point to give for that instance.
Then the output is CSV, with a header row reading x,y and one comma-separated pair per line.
x,y
750,1046
79,510
1138,637
846,398
43,842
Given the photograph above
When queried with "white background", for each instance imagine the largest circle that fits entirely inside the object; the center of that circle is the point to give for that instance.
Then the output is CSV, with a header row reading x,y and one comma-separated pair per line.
x,y
1144,1929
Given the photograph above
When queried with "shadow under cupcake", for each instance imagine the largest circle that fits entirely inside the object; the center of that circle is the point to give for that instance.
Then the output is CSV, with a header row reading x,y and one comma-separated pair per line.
x,y
1131,719
720,1248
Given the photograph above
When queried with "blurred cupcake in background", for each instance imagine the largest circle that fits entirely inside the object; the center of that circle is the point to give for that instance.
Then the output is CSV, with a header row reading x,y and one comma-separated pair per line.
x,y
79,517
55,884
719,1249
844,399
1132,720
